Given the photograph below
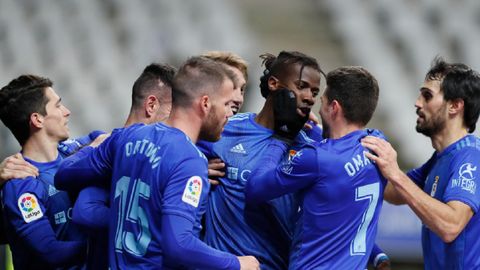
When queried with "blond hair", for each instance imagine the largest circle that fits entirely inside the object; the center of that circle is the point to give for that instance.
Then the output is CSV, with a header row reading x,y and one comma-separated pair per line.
x,y
230,59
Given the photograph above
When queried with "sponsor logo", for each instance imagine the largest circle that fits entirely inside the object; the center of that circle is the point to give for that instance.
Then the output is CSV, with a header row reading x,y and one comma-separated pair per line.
x,y
29,207
466,178
238,149
52,190
234,173
192,191
60,217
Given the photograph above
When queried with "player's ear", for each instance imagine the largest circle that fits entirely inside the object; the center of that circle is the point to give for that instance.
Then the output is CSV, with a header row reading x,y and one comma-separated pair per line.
x,y
151,105
36,120
336,108
205,104
455,106
273,83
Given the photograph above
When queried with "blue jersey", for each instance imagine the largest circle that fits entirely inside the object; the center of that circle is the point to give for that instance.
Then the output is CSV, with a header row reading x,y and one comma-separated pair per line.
x,y
453,175
38,223
158,186
341,194
231,225
92,212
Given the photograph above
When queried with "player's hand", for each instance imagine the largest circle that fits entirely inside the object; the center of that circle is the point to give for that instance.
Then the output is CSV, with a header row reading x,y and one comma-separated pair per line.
x,y
15,166
216,168
248,263
383,155
312,120
288,121
100,138
385,265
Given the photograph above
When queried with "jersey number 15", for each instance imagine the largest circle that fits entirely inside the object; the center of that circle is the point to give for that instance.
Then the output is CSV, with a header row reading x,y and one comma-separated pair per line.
x,y
130,211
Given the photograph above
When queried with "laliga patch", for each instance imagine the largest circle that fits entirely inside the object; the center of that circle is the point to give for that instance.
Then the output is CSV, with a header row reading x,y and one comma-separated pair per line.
x,y
193,190
29,207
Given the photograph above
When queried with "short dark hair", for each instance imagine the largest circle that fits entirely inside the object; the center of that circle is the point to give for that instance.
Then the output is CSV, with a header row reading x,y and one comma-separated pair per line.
x,y
148,83
278,65
199,76
19,99
458,81
356,90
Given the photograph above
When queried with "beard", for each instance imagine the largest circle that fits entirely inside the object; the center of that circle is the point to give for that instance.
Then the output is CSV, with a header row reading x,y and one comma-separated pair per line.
x,y
211,130
434,125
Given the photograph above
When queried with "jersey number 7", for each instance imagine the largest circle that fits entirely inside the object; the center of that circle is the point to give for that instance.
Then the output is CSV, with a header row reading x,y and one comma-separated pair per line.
x,y
370,192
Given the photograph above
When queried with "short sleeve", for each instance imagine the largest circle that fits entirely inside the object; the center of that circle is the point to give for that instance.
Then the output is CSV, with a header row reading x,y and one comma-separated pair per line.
x,y
465,177
187,188
419,175
24,204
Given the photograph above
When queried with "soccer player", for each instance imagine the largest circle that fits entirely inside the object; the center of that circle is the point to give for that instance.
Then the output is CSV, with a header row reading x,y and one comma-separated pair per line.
x,y
340,190
151,103
159,178
37,217
216,167
238,66
230,224
442,192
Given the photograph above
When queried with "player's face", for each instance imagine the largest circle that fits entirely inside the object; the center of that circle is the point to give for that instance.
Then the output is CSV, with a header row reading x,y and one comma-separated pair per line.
x,y
218,115
56,119
239,91
305,85
324,115
431,109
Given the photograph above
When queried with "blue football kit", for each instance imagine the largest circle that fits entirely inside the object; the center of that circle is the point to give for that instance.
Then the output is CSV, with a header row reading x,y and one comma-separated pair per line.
x,y
91,211
158,190
37,217
264,231
453,175
340,195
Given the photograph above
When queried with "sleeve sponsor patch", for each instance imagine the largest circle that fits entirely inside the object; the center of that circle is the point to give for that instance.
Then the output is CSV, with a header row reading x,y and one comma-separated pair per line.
x,y
466,178
29,207
192,191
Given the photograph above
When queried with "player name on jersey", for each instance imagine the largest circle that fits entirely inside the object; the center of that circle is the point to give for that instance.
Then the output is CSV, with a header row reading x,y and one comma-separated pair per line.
x,y
143,147
358,163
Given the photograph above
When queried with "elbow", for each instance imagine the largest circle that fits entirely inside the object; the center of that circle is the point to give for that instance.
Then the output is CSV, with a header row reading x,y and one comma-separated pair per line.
x,y
78,218
450,234
173,250
394,201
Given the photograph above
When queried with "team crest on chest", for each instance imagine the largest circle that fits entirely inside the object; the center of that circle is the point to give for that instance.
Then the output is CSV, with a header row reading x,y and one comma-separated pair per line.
x,y
434,186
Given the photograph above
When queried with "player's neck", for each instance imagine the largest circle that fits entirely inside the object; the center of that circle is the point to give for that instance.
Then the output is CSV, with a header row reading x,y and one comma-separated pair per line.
x,y
40,148
136,117
186,121
452,132
265,117
337,131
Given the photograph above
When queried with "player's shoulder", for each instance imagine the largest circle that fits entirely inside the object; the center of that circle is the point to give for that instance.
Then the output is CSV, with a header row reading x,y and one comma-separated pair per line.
x,y
178,145
240,117
305,153
375,132
469,146
241,121
16,187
